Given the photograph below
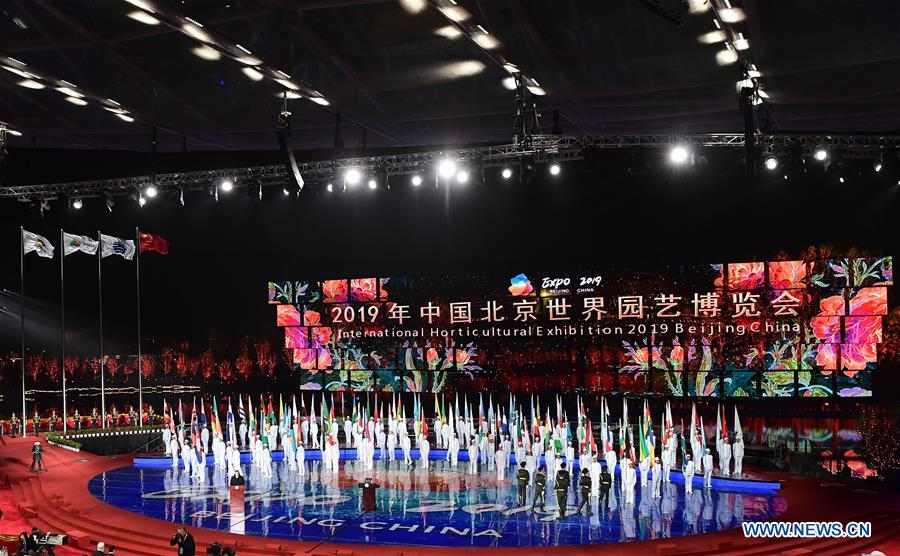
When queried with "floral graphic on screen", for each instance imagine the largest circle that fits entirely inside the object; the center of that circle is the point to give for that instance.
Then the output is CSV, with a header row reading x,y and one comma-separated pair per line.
x,y
746,276
785,275
520,286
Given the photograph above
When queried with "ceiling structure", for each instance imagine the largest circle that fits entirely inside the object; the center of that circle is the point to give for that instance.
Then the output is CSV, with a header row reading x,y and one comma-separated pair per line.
x,y
400,73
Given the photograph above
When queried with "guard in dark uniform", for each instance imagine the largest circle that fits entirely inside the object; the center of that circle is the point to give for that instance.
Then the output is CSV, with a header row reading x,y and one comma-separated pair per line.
x,y
561,486
585,484
523,477
540,485
605,485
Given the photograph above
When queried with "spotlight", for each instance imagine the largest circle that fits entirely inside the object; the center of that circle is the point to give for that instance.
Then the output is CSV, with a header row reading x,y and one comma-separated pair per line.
x,y
142,201
151,191
329,188
417,180
181,196
462,176
878,166
678,155
227,185
372,183
352,176
285,191
77,203
771,163
821,154
446,168
506,172
555,169
841,179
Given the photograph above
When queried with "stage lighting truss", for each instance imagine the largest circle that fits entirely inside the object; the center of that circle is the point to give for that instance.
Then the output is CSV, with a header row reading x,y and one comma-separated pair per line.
x,y
71,92
210,43
736,46
544,149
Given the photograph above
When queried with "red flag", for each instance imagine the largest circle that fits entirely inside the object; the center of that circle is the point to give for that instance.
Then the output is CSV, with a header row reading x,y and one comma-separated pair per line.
x,y
150,242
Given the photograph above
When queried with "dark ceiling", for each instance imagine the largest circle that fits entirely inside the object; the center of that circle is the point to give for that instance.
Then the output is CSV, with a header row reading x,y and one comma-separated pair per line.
x,y
611,66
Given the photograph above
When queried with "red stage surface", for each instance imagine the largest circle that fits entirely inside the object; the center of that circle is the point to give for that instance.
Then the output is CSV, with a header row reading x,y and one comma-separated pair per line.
x,y
59,501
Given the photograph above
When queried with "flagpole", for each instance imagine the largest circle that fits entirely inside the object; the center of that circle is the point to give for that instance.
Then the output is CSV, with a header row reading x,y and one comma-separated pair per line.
x,y
100,300
137,275
62,318
22,317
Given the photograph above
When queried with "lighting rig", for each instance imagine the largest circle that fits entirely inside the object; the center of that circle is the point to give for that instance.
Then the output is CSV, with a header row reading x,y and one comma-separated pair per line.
x,y
453,167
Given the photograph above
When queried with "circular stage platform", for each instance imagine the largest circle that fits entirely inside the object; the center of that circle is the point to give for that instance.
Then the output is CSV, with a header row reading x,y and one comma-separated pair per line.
x,y
443,507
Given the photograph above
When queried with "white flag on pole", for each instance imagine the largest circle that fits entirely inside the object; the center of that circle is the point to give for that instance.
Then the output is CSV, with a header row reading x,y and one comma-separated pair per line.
x,y
73,243
110,245
38,244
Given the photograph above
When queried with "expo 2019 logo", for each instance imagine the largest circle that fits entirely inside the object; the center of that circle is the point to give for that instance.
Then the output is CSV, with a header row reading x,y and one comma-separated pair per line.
x,y
520,285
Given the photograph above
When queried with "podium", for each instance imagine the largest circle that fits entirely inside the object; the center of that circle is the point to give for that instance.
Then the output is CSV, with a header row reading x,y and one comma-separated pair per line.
x,y
236,497
368,487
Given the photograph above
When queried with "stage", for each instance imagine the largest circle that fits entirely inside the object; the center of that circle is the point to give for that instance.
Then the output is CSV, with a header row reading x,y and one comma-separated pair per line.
x,y
441,507
109,498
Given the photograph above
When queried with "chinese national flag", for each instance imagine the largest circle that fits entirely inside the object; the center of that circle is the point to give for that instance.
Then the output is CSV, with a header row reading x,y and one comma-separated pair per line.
x,y
150,242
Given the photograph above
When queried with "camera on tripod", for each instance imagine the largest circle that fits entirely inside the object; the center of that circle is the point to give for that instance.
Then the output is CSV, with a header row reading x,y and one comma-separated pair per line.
x,y
216,549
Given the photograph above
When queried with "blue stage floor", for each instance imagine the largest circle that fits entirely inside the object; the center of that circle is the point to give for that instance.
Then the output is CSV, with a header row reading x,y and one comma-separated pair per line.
x,y
444,507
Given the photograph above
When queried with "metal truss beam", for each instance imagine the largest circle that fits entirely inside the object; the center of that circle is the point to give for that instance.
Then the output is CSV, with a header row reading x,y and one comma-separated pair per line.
x,y
543,148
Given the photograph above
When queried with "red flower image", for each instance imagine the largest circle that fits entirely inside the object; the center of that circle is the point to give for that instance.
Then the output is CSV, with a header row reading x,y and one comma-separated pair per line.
x,y
862,330
869,301
296,337
833,305
677,356
320,336
827,329
855,357
787,274
826,358
288,315
364,289
335,291
306,359
431,358
312,318
746,276
324,361
462,357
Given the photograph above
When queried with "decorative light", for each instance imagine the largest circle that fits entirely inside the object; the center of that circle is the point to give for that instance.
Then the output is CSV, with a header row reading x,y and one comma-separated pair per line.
x,y
143,17
352,176
329,188
31,84
771,163
142,201
732,15
321,101
509,83
726,56
485,41
417,180
878,166
448,32
69,92
206,52
17,71
252,73
125,117
77,203
152,191
555,169
446,168
462,176
14,132
372,183
821,154
506,172
712,37
77,101
678,154
227,185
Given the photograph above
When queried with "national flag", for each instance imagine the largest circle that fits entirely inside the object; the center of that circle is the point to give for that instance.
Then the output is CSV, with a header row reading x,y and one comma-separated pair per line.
x,y
724,424
74,243
737,423
150,242
38,244
110,245
215,418
644,449
241,414
252,425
